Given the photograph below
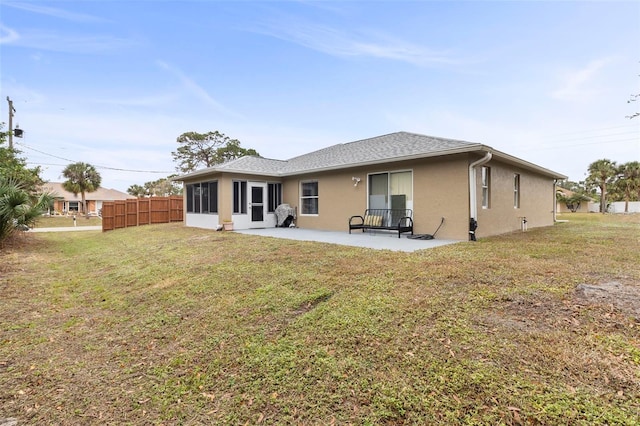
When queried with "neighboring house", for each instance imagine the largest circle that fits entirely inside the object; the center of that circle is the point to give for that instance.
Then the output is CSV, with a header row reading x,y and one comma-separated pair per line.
x,y
561,206
435,177
66,202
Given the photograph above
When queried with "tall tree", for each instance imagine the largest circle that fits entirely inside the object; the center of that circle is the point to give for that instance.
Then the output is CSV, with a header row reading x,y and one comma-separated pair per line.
x,y
629,182
12,166
163,187
81,178
572,186
206,149
20,201
136,190
601,174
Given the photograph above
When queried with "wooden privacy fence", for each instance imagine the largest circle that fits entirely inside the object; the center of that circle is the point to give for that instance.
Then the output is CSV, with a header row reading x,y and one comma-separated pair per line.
x,y
141,211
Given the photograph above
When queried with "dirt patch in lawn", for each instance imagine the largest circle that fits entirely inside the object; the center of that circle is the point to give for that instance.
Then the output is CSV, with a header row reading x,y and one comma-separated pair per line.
x,y
528,314
624,297
540,313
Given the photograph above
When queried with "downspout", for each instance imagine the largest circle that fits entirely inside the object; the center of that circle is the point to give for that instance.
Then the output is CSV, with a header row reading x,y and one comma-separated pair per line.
x,y
473,205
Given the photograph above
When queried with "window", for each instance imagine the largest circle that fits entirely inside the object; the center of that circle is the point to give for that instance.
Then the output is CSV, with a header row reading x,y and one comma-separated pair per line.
x,y
240,197
274,194
73,206
486,187
516,191
202,197
309,198
391,190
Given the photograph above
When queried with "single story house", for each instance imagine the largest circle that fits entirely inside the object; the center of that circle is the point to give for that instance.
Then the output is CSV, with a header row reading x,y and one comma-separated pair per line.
x,y
434,177
66,202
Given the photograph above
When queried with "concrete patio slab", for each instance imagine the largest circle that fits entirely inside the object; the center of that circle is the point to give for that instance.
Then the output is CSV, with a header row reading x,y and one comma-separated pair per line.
x,y
373,240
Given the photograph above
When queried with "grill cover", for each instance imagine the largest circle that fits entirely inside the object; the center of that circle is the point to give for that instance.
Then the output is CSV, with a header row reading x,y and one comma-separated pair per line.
x,y
284,213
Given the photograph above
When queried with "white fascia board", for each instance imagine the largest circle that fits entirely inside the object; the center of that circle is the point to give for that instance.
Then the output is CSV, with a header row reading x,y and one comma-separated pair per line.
x,y
526,165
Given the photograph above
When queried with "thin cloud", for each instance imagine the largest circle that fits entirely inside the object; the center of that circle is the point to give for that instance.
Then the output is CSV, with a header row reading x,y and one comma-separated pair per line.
x,y
55,42
194,88
334,42
54,12
162,100
578,84
8,35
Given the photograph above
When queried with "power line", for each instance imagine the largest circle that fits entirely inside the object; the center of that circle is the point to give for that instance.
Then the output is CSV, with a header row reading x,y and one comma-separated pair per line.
x,y
95,165
540,147
597,136
591,130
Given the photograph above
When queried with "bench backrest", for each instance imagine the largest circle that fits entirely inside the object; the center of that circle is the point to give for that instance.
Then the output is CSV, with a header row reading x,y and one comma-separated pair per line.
x,y
386,217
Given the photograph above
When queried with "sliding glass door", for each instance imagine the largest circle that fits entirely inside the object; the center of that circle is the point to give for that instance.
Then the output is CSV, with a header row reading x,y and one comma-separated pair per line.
x,y
391,190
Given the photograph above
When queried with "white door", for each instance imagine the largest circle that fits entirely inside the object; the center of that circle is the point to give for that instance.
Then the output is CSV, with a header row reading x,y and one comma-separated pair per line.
x,y
257,204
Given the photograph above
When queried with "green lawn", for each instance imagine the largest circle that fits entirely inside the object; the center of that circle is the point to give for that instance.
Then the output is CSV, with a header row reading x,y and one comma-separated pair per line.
x,y
170,325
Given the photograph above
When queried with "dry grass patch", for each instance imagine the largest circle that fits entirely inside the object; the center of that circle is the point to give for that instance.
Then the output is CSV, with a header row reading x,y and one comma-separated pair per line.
x,y
67,221
173,325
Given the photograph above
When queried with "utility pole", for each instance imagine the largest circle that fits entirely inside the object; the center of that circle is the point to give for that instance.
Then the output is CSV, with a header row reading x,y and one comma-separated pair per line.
x,y
12,110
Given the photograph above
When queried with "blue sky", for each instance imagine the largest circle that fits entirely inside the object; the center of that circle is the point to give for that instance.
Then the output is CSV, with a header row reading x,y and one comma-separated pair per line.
x,y
114,83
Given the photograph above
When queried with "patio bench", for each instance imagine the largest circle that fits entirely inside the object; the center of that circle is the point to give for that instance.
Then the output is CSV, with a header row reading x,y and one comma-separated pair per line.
x,y
383,219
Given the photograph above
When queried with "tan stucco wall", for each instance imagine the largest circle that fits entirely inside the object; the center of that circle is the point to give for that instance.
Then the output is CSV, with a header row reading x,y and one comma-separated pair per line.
x,y
440,189
537,199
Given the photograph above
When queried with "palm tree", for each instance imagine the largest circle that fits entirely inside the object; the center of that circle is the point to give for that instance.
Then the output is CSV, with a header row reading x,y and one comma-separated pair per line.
x,y
629,182
137,190
18,209
81,178
602,173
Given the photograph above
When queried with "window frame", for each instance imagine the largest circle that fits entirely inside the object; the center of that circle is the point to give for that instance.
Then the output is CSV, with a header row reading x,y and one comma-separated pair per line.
x,y
193,199
389,190
516,190
485,183
239,197
274,196
315,197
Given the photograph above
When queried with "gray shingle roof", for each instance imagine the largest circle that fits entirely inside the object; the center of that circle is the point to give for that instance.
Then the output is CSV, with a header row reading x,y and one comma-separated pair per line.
x,y
380,149
102,194
386,148
252,164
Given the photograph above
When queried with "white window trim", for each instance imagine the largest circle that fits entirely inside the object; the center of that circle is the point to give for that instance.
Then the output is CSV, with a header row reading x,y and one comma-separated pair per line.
x,y
516,190
312,196
486,187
